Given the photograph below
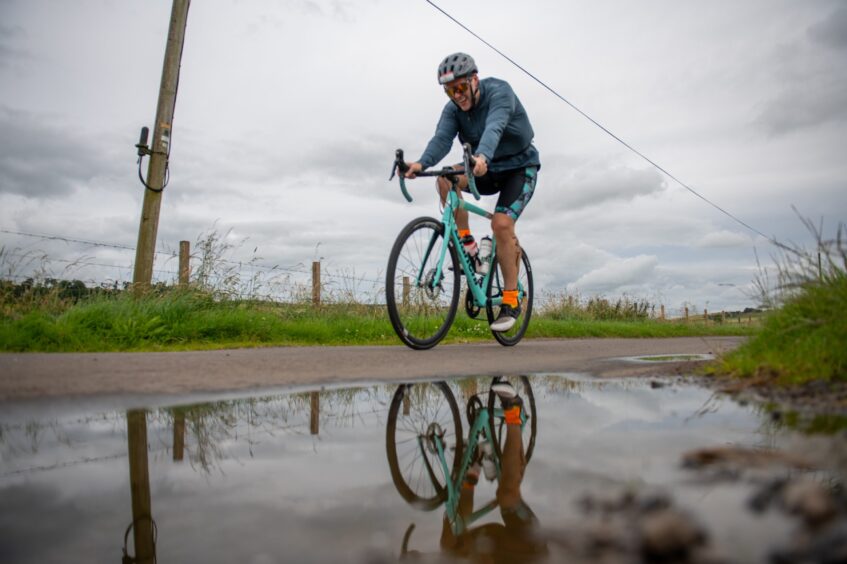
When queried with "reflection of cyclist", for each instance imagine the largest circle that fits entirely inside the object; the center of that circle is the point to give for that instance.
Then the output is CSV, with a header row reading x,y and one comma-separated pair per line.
x,y
516,540
487,114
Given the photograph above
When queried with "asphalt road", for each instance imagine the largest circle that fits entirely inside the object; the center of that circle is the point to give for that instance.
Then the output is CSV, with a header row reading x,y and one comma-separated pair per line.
x,y
42,375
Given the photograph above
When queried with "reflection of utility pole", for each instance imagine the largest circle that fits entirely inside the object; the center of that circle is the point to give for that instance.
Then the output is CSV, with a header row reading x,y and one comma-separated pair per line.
x,y
179,434
160,148
315,400
139,485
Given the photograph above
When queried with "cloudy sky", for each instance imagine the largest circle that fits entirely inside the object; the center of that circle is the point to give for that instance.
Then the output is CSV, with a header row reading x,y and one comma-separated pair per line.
x,y
289,112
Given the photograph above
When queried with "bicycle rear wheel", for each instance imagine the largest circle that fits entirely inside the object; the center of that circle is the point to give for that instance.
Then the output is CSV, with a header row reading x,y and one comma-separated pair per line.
x,y
418,414
495,290
498,424
422,303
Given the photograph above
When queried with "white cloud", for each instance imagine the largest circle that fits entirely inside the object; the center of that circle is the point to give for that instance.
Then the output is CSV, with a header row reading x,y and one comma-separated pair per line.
x,y
615,274
724,239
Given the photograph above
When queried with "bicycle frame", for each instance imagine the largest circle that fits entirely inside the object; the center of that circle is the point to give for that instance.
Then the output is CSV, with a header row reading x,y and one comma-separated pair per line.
x,y
477,289
452,203
458,523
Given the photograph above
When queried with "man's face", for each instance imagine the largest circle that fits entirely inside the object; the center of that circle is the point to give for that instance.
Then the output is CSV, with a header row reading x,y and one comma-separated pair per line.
x,y
461,90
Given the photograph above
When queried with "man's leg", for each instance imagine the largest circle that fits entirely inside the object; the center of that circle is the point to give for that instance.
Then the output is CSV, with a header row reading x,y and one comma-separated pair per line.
x,y
443,184
512,468
508,249
516,513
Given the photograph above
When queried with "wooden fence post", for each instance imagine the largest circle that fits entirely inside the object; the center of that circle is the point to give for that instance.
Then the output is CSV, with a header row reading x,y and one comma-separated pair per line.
x,y
184,254
316,283
705,317
686,314
315,413
662,312
407,288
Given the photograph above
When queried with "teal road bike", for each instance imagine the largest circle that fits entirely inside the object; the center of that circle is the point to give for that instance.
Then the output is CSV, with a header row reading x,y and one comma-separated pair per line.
x,y
429,457
423,280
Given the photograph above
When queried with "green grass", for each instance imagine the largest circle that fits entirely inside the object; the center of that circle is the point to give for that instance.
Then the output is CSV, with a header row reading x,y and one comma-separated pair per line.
x,y
805,339
181,320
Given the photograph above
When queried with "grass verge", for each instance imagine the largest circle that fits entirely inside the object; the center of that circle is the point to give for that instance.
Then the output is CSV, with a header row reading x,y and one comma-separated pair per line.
x,y
182,320
804,338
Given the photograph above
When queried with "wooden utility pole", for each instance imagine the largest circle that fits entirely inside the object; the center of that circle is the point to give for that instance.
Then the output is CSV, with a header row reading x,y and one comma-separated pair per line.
x,y
160,148
139,485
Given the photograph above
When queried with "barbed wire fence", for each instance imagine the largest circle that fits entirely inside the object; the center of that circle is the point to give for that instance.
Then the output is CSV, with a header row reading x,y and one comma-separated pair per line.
x,y
213,267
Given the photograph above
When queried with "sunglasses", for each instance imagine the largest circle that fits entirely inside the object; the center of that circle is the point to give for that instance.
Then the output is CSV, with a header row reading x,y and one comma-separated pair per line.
x,y
461,88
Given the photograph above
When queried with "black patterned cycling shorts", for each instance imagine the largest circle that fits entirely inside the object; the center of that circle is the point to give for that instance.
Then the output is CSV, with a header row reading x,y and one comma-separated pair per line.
x,y
515,188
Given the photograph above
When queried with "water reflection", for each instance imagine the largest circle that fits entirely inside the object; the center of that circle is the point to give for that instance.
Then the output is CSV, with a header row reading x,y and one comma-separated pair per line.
x,y
430,437
142,525
303,476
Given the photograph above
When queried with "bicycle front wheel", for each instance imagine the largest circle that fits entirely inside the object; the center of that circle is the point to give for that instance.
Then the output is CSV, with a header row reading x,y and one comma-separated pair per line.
x,y
422,299
496,285
421,417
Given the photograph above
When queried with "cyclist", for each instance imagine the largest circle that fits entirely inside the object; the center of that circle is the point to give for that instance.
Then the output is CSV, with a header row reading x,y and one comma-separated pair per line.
x,y
487,114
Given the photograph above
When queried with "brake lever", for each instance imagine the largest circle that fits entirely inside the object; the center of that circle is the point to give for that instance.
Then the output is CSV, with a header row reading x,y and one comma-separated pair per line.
x,y
469,165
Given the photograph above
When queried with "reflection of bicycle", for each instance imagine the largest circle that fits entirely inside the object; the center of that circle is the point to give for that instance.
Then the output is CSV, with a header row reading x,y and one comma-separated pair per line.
x,y
428,456
422,284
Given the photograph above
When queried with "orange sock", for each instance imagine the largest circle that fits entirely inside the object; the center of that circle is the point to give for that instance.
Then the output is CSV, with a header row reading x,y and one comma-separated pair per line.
x,y
464,233
510,297
513,415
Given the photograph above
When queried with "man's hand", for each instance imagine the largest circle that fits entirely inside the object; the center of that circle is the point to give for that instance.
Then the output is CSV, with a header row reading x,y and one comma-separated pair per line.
x,y
480,167
413,170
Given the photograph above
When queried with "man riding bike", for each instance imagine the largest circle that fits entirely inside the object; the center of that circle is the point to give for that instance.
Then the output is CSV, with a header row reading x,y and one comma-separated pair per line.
x,y
487,114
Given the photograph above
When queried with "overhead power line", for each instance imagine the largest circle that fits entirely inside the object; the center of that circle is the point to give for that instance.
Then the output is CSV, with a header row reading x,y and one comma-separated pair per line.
x,y
607,131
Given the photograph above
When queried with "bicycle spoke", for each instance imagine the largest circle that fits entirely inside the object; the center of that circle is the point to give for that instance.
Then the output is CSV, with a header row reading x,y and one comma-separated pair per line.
x,y
420,417
421,306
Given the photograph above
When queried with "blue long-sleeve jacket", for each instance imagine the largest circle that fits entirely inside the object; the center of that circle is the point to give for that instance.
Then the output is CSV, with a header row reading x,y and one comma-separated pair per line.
x,y
496,127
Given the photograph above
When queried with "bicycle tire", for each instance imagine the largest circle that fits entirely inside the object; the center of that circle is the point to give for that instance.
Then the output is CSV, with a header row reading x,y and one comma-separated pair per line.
x,y
408,463
495,290
422,314
498,424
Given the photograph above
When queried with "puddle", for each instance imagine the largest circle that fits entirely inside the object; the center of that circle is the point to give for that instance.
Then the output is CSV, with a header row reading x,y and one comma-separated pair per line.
x,y
671,358
303,476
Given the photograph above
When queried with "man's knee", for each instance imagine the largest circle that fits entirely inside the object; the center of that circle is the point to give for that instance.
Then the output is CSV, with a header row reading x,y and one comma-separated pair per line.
x,y
443,186
502,225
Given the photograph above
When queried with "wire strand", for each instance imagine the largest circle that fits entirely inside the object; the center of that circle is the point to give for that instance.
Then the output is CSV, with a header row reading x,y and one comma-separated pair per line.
x,y
598,124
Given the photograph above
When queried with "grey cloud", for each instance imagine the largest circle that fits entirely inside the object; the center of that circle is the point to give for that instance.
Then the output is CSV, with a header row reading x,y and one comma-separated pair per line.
x,y
597,183
8,53
812,83
816,102
39,159
831,32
